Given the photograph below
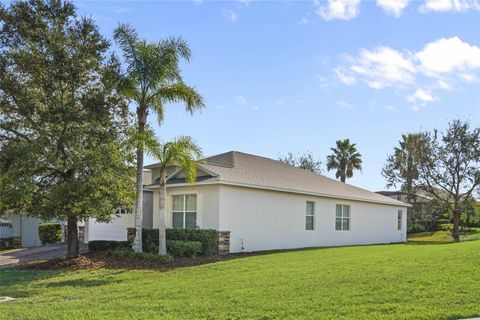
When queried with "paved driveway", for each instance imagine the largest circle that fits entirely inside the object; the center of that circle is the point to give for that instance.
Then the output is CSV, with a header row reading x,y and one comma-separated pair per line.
x,y
46,252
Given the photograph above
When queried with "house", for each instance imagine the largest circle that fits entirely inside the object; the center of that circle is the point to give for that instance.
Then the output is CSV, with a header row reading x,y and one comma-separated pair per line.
x,y
264,204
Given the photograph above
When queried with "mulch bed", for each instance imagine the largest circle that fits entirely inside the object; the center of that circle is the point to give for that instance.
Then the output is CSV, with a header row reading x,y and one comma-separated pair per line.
x,y
99,260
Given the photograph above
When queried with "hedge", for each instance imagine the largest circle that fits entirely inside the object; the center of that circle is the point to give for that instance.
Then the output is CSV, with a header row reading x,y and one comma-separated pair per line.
x,y
179,248
104,245
207,237
50,233
127,253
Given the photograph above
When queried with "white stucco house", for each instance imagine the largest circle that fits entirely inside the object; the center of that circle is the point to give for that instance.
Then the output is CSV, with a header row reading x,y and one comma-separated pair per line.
x,y
268,205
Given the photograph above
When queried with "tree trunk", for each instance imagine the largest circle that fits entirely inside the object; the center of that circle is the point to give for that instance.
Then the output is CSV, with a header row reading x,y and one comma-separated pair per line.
x,y
456,224
72,238
162,239
137,242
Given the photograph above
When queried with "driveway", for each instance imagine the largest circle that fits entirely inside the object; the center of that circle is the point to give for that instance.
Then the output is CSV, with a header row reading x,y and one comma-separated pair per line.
x,y
46,252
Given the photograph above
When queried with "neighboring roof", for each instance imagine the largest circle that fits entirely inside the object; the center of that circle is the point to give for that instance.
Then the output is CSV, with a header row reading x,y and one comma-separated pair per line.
x,y
237,168
390,193
419,194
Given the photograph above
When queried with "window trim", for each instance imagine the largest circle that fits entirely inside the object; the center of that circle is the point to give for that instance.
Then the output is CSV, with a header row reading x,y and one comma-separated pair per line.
x,y
310,215
121,210
184,210
342,217
399,219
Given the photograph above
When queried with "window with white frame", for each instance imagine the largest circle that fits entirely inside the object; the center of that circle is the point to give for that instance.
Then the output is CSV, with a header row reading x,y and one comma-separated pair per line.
x,y
310,215
123,211
342,217
399,219
184,211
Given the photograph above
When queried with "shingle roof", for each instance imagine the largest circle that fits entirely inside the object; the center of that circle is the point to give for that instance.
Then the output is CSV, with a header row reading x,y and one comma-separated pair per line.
x,y
259,172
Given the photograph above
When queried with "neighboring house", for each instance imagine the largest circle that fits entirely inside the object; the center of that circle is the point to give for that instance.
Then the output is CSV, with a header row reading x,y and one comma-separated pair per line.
x,y
266,205
402,196
24,228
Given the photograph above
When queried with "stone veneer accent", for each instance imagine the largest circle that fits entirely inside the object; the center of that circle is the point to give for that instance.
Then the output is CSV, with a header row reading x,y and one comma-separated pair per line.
x,y
223,240
130,235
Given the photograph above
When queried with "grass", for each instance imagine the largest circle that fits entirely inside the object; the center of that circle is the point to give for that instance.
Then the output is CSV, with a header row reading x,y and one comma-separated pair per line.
x,y
439,281
441,237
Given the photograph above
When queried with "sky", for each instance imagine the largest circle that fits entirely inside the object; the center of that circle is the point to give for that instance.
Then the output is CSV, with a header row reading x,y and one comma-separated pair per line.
x,y
295,76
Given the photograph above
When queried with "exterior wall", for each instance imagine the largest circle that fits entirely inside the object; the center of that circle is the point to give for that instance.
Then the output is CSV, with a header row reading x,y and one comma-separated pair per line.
x,y
207,205
114,230
268,220
117,228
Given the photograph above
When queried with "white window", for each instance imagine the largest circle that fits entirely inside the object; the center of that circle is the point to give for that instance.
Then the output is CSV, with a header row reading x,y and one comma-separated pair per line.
x,y
184,211
123,211
310,217
399,220
342,217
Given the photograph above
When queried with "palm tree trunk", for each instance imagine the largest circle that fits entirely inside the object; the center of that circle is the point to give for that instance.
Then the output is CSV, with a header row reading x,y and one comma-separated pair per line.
x,y
137,242
72,238
162,241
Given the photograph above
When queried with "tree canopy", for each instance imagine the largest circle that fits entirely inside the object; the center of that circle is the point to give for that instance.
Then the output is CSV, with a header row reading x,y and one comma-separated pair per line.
x,y
62,123
305,161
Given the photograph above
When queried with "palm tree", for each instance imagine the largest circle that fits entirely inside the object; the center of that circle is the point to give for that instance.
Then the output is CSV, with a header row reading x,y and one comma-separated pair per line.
x,y
183,153
345,159
152,79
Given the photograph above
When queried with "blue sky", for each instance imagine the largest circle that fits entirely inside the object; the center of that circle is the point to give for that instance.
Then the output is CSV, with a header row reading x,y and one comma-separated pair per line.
x,y
297,76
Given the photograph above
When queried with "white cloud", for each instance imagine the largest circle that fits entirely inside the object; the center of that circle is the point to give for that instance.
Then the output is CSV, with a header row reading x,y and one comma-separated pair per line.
x,y
389,108
394,7
232,15
241,100
421,96
444,64
449,5
339,9
344,105
279,102
383,67
449,55
344,78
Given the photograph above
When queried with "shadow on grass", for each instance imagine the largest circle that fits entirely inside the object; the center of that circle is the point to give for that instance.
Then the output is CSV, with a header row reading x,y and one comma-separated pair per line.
x,y
15,283
84,283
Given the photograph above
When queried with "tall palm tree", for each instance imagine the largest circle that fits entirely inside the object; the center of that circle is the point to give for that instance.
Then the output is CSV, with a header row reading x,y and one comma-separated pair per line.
x,y
344,160
183,153
152,80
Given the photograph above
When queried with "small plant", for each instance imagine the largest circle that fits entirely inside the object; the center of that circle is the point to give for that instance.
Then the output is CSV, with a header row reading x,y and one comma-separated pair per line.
x,y
50,233
179,248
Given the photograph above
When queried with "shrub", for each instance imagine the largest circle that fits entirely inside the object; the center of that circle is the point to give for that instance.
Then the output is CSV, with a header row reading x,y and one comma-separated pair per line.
x,y
7,243
50,233
104,245
207,237
179,248
127,253
416,227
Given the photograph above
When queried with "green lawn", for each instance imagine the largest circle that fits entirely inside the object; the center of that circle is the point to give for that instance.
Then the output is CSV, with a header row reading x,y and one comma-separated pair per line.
x,y
439,237
437,281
